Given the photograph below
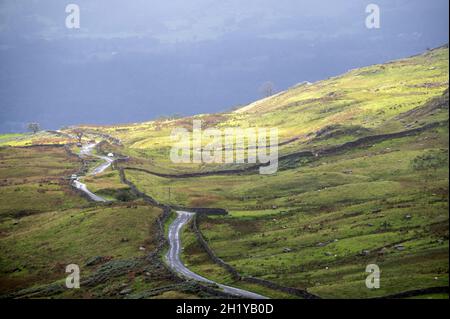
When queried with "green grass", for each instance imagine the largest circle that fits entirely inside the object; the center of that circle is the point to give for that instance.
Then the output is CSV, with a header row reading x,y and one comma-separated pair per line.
x,y
45,226
107,185
317,222
321,202
362,102
40,246
4,137
36,180
196,259
28,139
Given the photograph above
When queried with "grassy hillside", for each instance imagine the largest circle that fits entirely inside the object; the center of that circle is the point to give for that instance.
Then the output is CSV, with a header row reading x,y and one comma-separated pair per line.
x,y
376,190
45,225
318,222
335,215
28,139
35,180
38,247
362,102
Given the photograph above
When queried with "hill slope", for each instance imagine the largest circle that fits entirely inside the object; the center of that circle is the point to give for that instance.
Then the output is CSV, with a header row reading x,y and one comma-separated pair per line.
x,y
377,192
363,102
363,179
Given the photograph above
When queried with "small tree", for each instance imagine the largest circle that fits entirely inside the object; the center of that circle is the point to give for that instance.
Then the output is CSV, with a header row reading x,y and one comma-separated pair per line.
x,y
34,127
430,160
124,195
433,159
79,134
267,89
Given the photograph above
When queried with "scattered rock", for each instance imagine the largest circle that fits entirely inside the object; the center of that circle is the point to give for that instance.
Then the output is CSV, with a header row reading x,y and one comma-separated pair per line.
x,y
125,291
370,225
364,252
142,248
347,171
287,250
321,244
375,211
399,247
328,253
124,240
408,216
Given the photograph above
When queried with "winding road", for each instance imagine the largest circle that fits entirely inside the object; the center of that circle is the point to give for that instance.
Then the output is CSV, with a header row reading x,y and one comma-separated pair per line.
x,y
173,256
86,150
174,260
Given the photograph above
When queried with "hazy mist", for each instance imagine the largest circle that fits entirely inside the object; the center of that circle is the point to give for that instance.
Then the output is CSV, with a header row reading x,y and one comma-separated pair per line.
x,y
135,60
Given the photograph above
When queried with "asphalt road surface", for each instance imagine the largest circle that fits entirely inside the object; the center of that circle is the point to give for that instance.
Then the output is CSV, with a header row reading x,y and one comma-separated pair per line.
x,y
173,256
86,150
174,260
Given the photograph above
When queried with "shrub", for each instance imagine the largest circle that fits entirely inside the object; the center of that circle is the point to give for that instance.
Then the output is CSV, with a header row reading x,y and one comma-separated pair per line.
x,y
430,160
